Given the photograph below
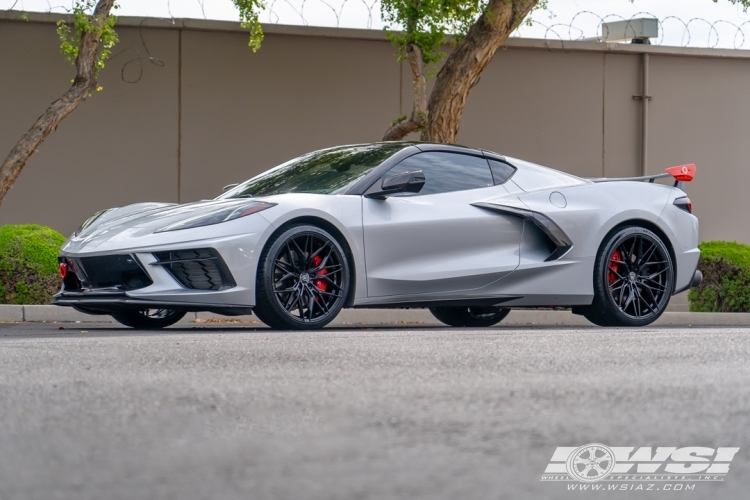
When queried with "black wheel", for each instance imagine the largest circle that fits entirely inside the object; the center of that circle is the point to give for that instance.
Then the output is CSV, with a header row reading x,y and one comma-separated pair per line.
x,y
148,319
633,279
302,281
470,316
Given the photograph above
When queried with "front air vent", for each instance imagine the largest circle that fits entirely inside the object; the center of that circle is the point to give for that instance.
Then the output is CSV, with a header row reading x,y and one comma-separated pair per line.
x,y
123,272
199,269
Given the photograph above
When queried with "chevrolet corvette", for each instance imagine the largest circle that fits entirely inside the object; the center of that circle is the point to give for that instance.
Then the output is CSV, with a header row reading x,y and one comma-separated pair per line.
x,y
465,232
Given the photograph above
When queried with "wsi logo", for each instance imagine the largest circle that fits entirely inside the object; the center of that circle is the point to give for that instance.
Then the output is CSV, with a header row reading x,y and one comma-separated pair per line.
x,y
597,462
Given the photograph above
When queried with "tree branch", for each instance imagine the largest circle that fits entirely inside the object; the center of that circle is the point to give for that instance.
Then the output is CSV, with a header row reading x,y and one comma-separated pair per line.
x,y
83,84
465,64
418,118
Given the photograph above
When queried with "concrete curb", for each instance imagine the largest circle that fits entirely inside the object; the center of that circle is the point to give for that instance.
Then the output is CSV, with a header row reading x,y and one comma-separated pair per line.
x,y
376,317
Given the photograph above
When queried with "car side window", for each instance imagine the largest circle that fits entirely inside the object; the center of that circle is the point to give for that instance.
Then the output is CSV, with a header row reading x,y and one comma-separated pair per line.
x,y
445,172
501,172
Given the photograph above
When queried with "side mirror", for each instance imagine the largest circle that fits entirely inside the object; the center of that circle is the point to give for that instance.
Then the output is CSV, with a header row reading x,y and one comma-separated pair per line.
x,y
408,182
229,186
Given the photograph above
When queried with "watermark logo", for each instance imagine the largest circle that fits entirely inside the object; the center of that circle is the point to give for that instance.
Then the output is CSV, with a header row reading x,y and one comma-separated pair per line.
x,y
665,468
589,463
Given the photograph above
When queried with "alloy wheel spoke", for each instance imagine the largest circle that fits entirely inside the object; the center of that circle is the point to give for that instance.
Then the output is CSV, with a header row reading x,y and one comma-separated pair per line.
x,y
290,253
654,275
650,297
329,281
299,304
646,256
323,247
291,301
653,263
321,299
641,302
285,277
311,304
323,262
631,296
622,294
655,285
300,252
284,267
632,250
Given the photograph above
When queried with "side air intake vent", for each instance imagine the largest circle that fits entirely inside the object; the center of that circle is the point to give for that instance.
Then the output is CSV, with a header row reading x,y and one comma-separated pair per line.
x,y
199,269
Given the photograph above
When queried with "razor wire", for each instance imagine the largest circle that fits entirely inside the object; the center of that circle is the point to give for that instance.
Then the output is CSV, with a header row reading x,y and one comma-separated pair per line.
x,y
365,14
669,26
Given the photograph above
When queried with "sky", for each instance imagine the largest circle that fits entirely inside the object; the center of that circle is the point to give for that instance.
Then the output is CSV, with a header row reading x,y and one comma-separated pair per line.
x,y
695,23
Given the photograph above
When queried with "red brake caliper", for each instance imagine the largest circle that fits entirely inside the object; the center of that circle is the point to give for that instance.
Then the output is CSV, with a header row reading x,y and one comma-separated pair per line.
x,y
613,265
320,284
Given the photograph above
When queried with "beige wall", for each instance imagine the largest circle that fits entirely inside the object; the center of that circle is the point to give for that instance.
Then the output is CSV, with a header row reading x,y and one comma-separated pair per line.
x,y
216,113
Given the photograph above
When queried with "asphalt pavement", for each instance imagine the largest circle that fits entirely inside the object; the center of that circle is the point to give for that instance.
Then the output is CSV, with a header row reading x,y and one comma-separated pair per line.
x,y
232,411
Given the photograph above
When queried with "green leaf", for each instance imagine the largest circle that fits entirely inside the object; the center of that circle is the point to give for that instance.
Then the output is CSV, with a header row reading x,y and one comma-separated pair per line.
x,y
249,19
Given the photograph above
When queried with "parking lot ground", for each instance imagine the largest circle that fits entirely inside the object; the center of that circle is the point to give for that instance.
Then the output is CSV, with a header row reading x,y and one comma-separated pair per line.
x,y
91,411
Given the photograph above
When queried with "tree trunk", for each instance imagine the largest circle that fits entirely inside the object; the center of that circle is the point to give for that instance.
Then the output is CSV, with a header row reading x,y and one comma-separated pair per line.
x,y
418,118
465,64
83,85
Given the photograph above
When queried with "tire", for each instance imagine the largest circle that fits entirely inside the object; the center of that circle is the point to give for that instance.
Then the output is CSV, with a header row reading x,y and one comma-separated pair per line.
x,y
148,319
470,316
303,279
627,290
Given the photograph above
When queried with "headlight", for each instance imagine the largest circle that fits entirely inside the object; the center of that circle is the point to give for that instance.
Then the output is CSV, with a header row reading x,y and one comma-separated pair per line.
x,y
90,221
218,216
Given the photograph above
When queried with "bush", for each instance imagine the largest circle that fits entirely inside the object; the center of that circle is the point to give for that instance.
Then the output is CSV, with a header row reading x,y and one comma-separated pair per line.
x,y
726,278
28,264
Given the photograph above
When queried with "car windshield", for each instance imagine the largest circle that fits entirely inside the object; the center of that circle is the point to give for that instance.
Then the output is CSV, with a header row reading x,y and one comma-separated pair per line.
x,y
329,171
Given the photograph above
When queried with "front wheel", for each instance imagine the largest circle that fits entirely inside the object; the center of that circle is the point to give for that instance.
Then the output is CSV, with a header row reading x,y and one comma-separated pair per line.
x,y
633,279
470,316
148,319
302,281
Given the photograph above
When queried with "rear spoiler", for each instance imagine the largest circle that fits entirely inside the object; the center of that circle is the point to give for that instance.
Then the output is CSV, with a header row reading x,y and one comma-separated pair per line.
x,y
681,174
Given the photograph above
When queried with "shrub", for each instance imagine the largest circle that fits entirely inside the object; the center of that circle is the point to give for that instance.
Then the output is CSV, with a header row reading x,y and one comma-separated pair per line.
x,y
28,264
726,278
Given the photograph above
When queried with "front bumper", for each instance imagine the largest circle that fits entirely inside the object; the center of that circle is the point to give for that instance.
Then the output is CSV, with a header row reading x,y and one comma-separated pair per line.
x,y
239,253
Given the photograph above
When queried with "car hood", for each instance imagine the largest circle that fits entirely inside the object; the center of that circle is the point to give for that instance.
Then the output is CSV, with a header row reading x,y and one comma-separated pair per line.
x,y
126,225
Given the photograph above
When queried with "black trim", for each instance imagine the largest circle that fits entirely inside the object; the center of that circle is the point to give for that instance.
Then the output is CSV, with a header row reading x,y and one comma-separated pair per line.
x,y
557,236
476,302
177,261
495,156
114,301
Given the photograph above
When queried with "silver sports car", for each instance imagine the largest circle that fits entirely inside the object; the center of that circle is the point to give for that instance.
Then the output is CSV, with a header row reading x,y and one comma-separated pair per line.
x,y
467,233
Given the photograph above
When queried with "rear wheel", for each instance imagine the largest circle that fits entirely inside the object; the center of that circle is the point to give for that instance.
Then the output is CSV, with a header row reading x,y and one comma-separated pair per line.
x,y
148,319
470,316
633,280
302,281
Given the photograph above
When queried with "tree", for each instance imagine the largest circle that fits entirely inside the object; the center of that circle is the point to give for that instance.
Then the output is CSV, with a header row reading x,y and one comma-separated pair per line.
x,y
88,45
479,28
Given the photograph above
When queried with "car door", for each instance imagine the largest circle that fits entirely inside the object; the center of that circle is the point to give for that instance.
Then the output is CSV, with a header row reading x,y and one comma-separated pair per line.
x,y
434,241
